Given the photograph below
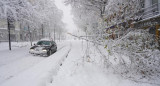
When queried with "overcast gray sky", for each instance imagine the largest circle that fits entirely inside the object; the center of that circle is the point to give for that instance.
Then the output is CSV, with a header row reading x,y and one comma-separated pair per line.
x,y
67,17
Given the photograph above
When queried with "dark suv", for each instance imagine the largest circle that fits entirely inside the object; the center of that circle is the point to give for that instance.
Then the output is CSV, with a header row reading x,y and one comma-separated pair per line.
x,y
43,48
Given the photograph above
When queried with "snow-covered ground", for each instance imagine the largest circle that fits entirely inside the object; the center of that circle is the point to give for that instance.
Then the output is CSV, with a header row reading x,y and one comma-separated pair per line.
x,y
14,62
69,66
77,72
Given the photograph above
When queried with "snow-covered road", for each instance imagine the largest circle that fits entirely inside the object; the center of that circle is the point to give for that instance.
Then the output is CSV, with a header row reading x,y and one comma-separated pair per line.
x,y
14,62
69,66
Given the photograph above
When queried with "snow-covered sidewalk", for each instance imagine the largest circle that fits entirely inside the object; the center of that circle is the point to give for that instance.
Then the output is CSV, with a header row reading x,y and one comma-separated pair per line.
x,y
76,72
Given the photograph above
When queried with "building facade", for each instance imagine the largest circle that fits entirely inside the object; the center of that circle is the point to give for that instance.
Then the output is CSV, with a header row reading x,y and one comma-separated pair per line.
x,y
150,8
147,17
14,32
150,17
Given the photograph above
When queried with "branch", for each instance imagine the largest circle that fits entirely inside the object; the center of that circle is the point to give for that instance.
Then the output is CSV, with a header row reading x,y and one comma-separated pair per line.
x,y
80,37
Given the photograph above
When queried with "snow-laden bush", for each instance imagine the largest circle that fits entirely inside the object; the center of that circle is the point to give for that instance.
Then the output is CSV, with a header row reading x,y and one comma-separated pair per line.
x,y
141,49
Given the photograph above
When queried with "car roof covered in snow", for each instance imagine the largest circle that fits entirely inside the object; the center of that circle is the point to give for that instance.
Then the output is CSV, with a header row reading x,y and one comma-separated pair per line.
x,y
46,39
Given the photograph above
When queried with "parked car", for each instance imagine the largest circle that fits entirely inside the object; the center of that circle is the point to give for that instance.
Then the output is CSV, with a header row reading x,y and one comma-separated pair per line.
x,y
44,48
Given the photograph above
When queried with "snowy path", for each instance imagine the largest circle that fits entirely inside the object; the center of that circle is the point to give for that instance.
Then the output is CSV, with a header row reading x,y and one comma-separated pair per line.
x,y
75,72
16,61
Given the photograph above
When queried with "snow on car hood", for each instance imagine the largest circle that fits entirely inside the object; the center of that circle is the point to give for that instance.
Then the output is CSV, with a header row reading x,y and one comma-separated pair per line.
x,y
39,48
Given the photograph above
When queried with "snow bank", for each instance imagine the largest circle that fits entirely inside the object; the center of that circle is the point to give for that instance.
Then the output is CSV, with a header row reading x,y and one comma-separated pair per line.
x,y
134,56
40,74
78,72
15,45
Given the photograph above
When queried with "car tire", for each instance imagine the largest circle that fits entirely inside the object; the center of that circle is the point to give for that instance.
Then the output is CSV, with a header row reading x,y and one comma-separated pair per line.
x,y
49,53
55,50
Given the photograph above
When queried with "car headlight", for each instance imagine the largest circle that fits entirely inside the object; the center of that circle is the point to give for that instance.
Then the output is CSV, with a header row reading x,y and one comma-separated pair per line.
x,y
31,49
44,50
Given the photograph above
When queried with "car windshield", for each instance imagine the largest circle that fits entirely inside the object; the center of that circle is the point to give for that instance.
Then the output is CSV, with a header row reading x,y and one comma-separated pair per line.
x,y
44,43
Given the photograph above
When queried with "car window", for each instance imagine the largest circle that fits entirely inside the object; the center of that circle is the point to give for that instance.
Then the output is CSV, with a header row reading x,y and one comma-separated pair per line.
x,y
53,43
44,43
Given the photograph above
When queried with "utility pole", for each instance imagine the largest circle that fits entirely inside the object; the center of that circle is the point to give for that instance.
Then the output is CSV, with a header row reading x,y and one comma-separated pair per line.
x,y
10,21
30,35
54,34
49,35
11,25
42,31
59,36
9,33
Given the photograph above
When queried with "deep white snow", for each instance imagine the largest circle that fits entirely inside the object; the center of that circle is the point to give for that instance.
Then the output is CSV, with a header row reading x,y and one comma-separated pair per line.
x,y
69,66
14,62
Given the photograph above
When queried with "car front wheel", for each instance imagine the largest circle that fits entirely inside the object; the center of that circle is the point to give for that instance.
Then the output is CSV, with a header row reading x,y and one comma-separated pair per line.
x,y
49,53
